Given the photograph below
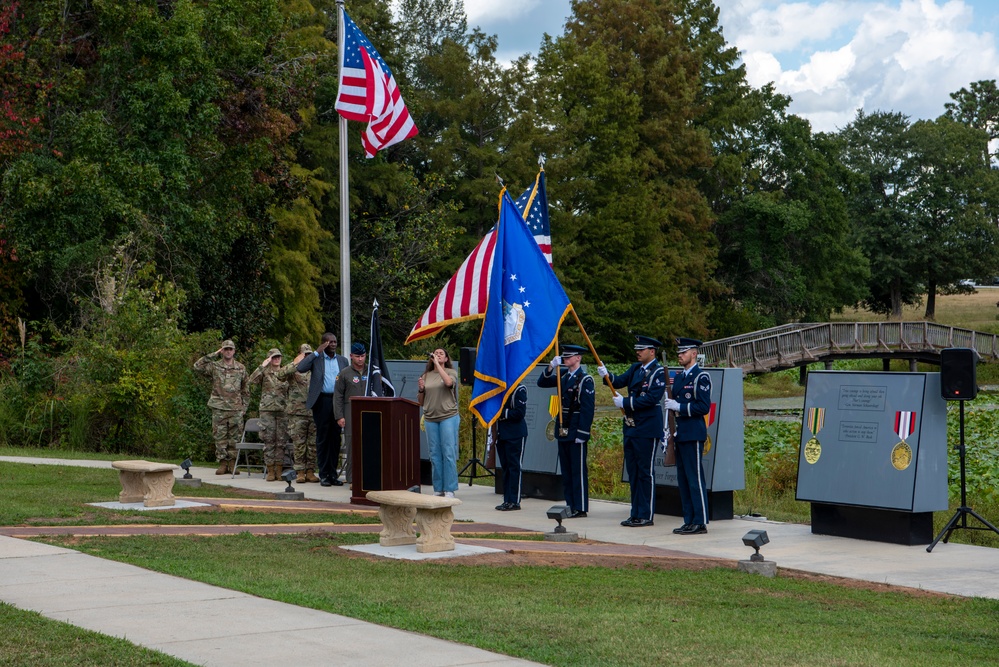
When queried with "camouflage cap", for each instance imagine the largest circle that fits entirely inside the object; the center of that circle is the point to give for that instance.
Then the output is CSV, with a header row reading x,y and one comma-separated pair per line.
x,y
273,352
305,348
228,343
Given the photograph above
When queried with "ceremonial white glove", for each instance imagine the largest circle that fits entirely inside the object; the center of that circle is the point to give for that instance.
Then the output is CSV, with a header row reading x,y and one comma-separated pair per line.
x,y
672,405
618,401
602,371
557,361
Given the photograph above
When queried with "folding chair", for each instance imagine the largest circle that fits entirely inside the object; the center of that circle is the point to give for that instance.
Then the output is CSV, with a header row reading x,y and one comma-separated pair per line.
x,y
244,448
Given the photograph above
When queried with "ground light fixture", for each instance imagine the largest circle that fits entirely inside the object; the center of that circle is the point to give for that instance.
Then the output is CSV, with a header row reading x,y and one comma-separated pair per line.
x,y
559,512
186,465
756,539
288,476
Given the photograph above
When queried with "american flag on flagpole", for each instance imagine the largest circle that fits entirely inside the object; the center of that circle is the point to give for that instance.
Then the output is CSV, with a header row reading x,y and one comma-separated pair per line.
x,y
368,92
464,295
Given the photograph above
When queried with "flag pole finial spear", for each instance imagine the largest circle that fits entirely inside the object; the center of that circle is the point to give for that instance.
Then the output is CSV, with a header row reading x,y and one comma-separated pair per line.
x,y
500,181
541,161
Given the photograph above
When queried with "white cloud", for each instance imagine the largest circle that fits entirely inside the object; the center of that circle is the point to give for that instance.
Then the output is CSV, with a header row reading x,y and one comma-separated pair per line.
x,y
897,55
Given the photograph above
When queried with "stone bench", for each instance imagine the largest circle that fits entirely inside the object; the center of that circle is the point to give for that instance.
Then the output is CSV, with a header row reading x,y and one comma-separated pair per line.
x,y
433,515
152,483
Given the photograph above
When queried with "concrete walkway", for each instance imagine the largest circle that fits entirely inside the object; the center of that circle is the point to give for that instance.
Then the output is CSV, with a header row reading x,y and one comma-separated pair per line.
x,y
207,625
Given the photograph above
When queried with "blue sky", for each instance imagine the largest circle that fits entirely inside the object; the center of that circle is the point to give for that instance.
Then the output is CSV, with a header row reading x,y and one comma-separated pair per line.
x,y
831,56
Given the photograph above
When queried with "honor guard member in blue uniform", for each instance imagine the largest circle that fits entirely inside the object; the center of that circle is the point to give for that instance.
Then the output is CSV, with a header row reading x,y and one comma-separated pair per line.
x,y
643,425
511,436
691,401
572,428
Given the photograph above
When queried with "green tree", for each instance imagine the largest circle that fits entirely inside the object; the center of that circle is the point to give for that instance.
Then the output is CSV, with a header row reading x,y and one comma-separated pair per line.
x,y
630,227
877,149
978,108
163,126
786,246
951,201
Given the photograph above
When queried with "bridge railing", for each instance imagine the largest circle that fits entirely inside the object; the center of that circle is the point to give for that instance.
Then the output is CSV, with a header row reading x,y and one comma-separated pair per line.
x,y
793,345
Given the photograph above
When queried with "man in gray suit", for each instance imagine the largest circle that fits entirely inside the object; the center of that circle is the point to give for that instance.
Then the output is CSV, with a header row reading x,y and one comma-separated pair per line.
x,y
325,365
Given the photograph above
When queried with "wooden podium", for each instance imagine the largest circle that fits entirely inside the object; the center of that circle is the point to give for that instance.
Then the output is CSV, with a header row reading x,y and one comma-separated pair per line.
x,y
385,445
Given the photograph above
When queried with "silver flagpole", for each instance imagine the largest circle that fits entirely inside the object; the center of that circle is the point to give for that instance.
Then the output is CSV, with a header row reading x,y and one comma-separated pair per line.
x,y
344,206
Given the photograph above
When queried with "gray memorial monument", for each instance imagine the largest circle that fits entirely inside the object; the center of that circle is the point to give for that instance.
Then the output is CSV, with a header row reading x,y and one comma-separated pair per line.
x,y
724,451
873,455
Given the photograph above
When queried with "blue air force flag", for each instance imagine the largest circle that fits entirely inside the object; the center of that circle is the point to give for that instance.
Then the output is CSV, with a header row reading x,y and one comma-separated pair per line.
x,y
525,308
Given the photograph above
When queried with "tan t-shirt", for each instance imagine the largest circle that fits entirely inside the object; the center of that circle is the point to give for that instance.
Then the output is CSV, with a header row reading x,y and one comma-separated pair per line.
x,y
439,400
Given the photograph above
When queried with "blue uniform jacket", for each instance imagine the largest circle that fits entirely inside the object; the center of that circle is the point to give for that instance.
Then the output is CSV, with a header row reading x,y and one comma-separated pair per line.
x,y
646,388
511,424
692,390
578,396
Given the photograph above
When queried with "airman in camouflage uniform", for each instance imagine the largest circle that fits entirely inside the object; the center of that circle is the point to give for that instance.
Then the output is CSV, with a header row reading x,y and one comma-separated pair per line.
x,y
301,425
273,394
230,396
352,381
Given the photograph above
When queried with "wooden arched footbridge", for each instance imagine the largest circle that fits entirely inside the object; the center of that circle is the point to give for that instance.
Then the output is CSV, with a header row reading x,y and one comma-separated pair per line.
x,y
794,345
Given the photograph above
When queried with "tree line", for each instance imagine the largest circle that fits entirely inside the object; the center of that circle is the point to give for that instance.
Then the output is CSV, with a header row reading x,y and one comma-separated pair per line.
x,y
180,158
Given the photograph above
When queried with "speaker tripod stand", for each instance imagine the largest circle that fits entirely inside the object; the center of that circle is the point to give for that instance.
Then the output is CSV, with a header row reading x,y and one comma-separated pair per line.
x,y
963,511
474,461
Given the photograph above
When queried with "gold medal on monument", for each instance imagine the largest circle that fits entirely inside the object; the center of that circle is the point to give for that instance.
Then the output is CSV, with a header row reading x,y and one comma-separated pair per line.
x,y
815,419
905,425
813,450
901,456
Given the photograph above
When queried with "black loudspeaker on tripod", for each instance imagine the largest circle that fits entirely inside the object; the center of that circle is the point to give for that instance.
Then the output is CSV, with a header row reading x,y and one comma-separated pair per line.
x,y
466,368
958,382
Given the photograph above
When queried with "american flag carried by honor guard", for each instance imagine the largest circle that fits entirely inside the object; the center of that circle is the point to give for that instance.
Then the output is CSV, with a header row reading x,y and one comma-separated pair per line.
x,y
464,296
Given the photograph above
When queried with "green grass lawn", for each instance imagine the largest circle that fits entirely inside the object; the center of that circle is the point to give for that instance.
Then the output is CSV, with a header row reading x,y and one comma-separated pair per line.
x,y
633,615
30,639
640,613
27,498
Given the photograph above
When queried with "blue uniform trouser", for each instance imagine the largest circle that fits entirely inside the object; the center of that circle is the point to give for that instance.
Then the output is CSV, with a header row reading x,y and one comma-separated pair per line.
x,y
639,457
575,476
690,480
511,456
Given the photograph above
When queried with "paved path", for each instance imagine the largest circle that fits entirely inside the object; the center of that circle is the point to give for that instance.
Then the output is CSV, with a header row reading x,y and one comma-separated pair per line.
x,y
207,625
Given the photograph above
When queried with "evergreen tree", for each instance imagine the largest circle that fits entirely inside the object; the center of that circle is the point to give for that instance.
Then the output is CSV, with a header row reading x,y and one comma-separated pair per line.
x,y
619,92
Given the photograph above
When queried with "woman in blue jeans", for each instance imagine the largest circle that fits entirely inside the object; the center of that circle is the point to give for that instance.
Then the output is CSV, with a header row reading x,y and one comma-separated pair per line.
x,y
438,394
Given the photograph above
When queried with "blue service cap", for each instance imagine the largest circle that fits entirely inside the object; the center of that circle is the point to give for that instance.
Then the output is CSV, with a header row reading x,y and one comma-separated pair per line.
x,y
569,350
684,344
645,342
358,348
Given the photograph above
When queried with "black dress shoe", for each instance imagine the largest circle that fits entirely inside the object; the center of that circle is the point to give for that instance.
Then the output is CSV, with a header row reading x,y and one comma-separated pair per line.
x,y
639,523
682,528
512,507
578,514
627,522
695,529
336,482
325,482
504,507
